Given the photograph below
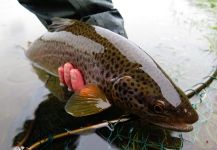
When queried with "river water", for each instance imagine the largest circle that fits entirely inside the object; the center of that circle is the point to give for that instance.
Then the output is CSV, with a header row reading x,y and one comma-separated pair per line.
x,y
180,35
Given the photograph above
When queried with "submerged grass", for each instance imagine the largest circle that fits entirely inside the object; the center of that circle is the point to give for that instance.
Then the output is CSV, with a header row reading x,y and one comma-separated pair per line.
x,y
211,4
212,43
211,7
214,27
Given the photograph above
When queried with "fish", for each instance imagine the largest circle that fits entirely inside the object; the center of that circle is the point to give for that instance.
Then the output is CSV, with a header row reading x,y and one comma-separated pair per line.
x,y
116,71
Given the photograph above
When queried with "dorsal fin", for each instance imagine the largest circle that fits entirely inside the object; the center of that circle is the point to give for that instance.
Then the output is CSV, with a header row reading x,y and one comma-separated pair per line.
x,y
59,24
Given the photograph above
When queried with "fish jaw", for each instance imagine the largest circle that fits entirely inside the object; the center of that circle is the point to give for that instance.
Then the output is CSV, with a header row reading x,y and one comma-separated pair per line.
x,y
176,121
173,124
180,127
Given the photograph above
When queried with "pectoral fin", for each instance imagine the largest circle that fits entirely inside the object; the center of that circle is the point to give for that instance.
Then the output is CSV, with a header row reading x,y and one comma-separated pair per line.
x,y
88,101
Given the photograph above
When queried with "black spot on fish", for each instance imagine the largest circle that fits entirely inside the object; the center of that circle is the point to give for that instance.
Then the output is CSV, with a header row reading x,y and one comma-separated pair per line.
x,y
124,84
113,53
140,101
97,79
119,89
114,76
123,99
102,72
130,92
135,105
108,57
124,91
104,82
126,70
115,86
107,67
107,75
116,66
147,92
130,98
116,93
130,105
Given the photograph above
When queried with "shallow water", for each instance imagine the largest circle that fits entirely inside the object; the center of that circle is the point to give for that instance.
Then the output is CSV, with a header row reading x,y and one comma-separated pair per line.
x,y
180,35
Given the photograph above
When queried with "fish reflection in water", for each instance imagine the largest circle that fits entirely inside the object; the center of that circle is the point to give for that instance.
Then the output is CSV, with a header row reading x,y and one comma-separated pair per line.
x,y
51,119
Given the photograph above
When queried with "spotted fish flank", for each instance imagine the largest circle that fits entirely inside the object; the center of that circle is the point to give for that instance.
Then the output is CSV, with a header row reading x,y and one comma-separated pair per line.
x,y
119,72
166,86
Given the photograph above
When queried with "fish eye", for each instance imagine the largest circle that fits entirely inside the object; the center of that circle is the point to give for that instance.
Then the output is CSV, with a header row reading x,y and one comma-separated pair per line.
x,y
159,106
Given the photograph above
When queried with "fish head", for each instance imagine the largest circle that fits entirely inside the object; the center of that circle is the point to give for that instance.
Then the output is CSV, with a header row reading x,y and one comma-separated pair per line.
x,y
171,110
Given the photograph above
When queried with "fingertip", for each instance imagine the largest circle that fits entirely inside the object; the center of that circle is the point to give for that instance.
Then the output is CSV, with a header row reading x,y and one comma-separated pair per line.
x,y
77,82
60,69
61,84
73,75
77,72
69,89
68,65
61,75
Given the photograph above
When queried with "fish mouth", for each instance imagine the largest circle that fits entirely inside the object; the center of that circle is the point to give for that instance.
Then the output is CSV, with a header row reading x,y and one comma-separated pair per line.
x,y
180,127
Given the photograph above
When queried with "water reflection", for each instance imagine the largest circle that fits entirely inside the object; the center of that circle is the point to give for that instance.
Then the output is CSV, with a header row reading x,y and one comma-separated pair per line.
x,y
51,118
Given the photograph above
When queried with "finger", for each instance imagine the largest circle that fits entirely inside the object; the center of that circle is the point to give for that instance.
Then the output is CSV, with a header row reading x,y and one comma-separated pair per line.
x,y
77,80
67,78
61,76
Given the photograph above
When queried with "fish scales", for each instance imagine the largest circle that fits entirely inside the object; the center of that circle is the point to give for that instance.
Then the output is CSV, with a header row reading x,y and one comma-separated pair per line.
x,y
129,77
97,66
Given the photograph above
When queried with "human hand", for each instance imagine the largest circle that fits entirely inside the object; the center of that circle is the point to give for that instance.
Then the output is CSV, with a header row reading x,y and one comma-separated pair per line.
x,y
70,77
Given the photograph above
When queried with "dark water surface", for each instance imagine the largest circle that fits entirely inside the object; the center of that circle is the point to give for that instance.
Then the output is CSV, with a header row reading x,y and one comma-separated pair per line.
x,y
180,35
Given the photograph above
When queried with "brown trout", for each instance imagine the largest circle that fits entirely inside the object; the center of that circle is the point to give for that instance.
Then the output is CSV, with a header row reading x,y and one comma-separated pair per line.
x,y
116,72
